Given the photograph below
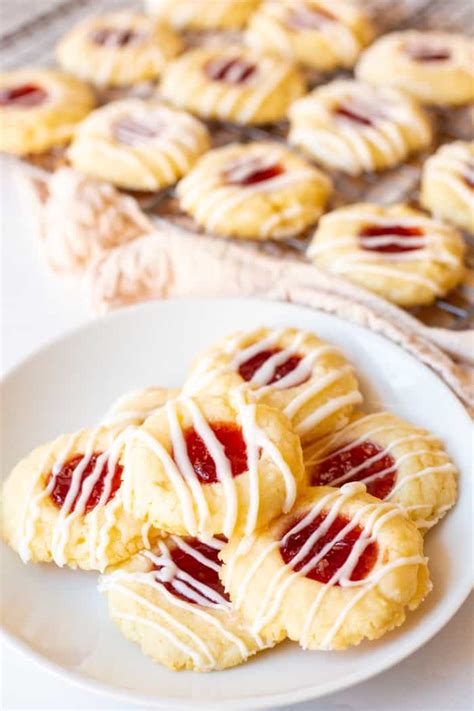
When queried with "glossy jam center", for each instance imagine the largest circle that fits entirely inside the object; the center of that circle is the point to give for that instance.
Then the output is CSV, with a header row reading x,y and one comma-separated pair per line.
x,y
64,480
305,17
133,132
390,238
337,469
335,557
230,70
231,438
425,53
354,114
248,369
26,95
252,172
116,37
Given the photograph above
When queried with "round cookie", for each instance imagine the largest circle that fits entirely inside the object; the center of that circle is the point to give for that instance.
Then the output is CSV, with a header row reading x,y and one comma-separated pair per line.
x,y
134,408
341,567
138,145
434,67
396,461
320,34
232,84
209,466
294,371
171,602
354,127
39,109
447,184
282,194
118,49
203,15
397,252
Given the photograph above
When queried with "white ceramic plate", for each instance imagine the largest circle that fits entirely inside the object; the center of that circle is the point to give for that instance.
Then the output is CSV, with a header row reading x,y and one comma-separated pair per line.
x,y
57,616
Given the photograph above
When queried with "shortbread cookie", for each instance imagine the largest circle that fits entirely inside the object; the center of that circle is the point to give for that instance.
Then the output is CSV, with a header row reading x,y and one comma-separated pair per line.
x,y
395,460
232,84
254,191
447,186
118,49
39,109
434,67
294,371
206,466
138,145
203,14
321,34
354,127
341,567
171,602
63,503
395,251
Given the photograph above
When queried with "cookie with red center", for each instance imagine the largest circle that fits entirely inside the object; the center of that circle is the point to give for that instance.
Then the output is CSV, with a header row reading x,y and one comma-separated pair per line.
x,y
396,461
170,600
212,465
204,15
354,127
434,67
309,380
282,193
39,109
341,567
118,49
232,84
396,251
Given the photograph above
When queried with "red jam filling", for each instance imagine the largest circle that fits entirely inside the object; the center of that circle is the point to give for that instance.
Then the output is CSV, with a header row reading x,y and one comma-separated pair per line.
x,y
231,438
63,482
130,131
469,176
336,556
424,53
26,95
339,464
305,17
232,71
248,369
370,238
252,172
115,37
353,114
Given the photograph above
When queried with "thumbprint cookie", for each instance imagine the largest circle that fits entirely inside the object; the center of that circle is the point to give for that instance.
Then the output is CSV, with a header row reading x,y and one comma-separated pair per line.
x,y
254,191
118,49
309,380
354,127
396,461
138,145
447,186
204,14
209,466
397,252
232,84
341,567
135,407
434,67
39,109
321,34
171,602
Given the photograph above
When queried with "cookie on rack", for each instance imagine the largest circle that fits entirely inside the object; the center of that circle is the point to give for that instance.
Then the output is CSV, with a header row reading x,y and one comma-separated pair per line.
x,y
39,109
354,127
341,567
232,83
118,49
259,190
396,251
320,34
396,461
214,465
294,371
171,602
434,67
138,145
447,185
203,15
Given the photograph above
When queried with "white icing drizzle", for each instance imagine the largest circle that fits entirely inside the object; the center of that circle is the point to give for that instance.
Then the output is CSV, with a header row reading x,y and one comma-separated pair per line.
x,y
449,166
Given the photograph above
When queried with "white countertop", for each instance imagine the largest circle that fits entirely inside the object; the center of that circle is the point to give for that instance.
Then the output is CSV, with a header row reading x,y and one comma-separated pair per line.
x,y
37,307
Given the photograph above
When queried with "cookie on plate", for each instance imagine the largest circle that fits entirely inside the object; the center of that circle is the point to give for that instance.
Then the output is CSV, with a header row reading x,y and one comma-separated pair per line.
x,y
434,67
259,190
341,567
397,252
171,602
232,84
204,14
447,184
39,109
321,34
294,371
118,49
351,126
